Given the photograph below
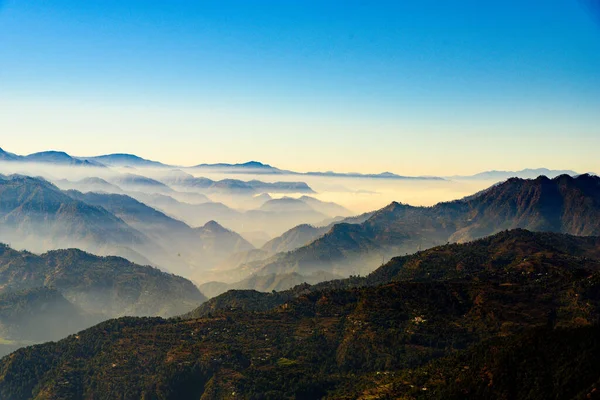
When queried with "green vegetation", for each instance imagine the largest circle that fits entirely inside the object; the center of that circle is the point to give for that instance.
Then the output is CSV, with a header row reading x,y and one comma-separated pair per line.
x,y
514,316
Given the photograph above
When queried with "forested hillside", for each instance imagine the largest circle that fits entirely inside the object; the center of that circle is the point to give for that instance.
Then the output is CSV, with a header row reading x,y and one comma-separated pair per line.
x,y
423,326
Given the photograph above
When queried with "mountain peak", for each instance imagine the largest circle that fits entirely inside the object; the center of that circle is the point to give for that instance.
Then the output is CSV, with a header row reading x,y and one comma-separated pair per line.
x,y
5,155
214,226
125,160
124,155
254,164
394,205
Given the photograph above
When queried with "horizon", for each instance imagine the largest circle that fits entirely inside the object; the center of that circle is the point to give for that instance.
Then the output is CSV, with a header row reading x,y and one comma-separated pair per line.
x,y
267,164
415,89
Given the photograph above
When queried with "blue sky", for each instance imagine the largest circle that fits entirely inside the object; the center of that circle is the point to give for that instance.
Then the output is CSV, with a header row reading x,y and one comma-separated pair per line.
x,y
427,87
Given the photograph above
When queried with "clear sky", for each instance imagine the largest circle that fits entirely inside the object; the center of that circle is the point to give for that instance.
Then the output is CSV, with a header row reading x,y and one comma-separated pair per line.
x,y
413,87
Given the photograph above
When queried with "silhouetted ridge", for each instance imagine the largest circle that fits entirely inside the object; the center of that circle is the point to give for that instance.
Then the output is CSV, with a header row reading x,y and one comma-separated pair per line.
x,y
563,204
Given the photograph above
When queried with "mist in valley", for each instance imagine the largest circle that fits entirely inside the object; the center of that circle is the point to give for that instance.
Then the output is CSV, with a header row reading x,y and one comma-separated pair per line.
x,y
198,232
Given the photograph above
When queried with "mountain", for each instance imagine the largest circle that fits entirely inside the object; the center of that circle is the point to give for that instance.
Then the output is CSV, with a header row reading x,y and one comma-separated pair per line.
x,y
219,242
383,175
528,173
357,248
35,214
110,286
326,207
58,158
266,283
193,250
250,167
269,222
500,368
185,181
563,204
304,204
524,327
516,255
124,160
193,208
182,180
255,167
286,204
296,237
140,183
258,200
163,201
253,187
36,315
303,234
46,297
232,186
239,258
141,217
274,219
6,156
194,214
281,187
90,184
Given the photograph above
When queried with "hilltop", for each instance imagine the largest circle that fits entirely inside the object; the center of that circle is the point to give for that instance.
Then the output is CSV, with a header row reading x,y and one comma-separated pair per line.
x,y
385,336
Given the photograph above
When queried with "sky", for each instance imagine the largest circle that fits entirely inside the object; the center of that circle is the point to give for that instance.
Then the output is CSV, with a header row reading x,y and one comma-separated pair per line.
x,y
412,87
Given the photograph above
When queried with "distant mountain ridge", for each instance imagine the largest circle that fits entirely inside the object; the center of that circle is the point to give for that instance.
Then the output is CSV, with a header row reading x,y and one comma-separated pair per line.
x,y
256,167
253,166
132,160
125,160
564,204
303,234
528,173
180,179
201,247
49,157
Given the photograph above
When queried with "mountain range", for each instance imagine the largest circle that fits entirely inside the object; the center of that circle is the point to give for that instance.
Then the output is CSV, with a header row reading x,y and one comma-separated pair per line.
x,y
198,248
317,312
272,216
528,173
48,296
481,320
255,168
37,215
105,285
562,204
49,157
